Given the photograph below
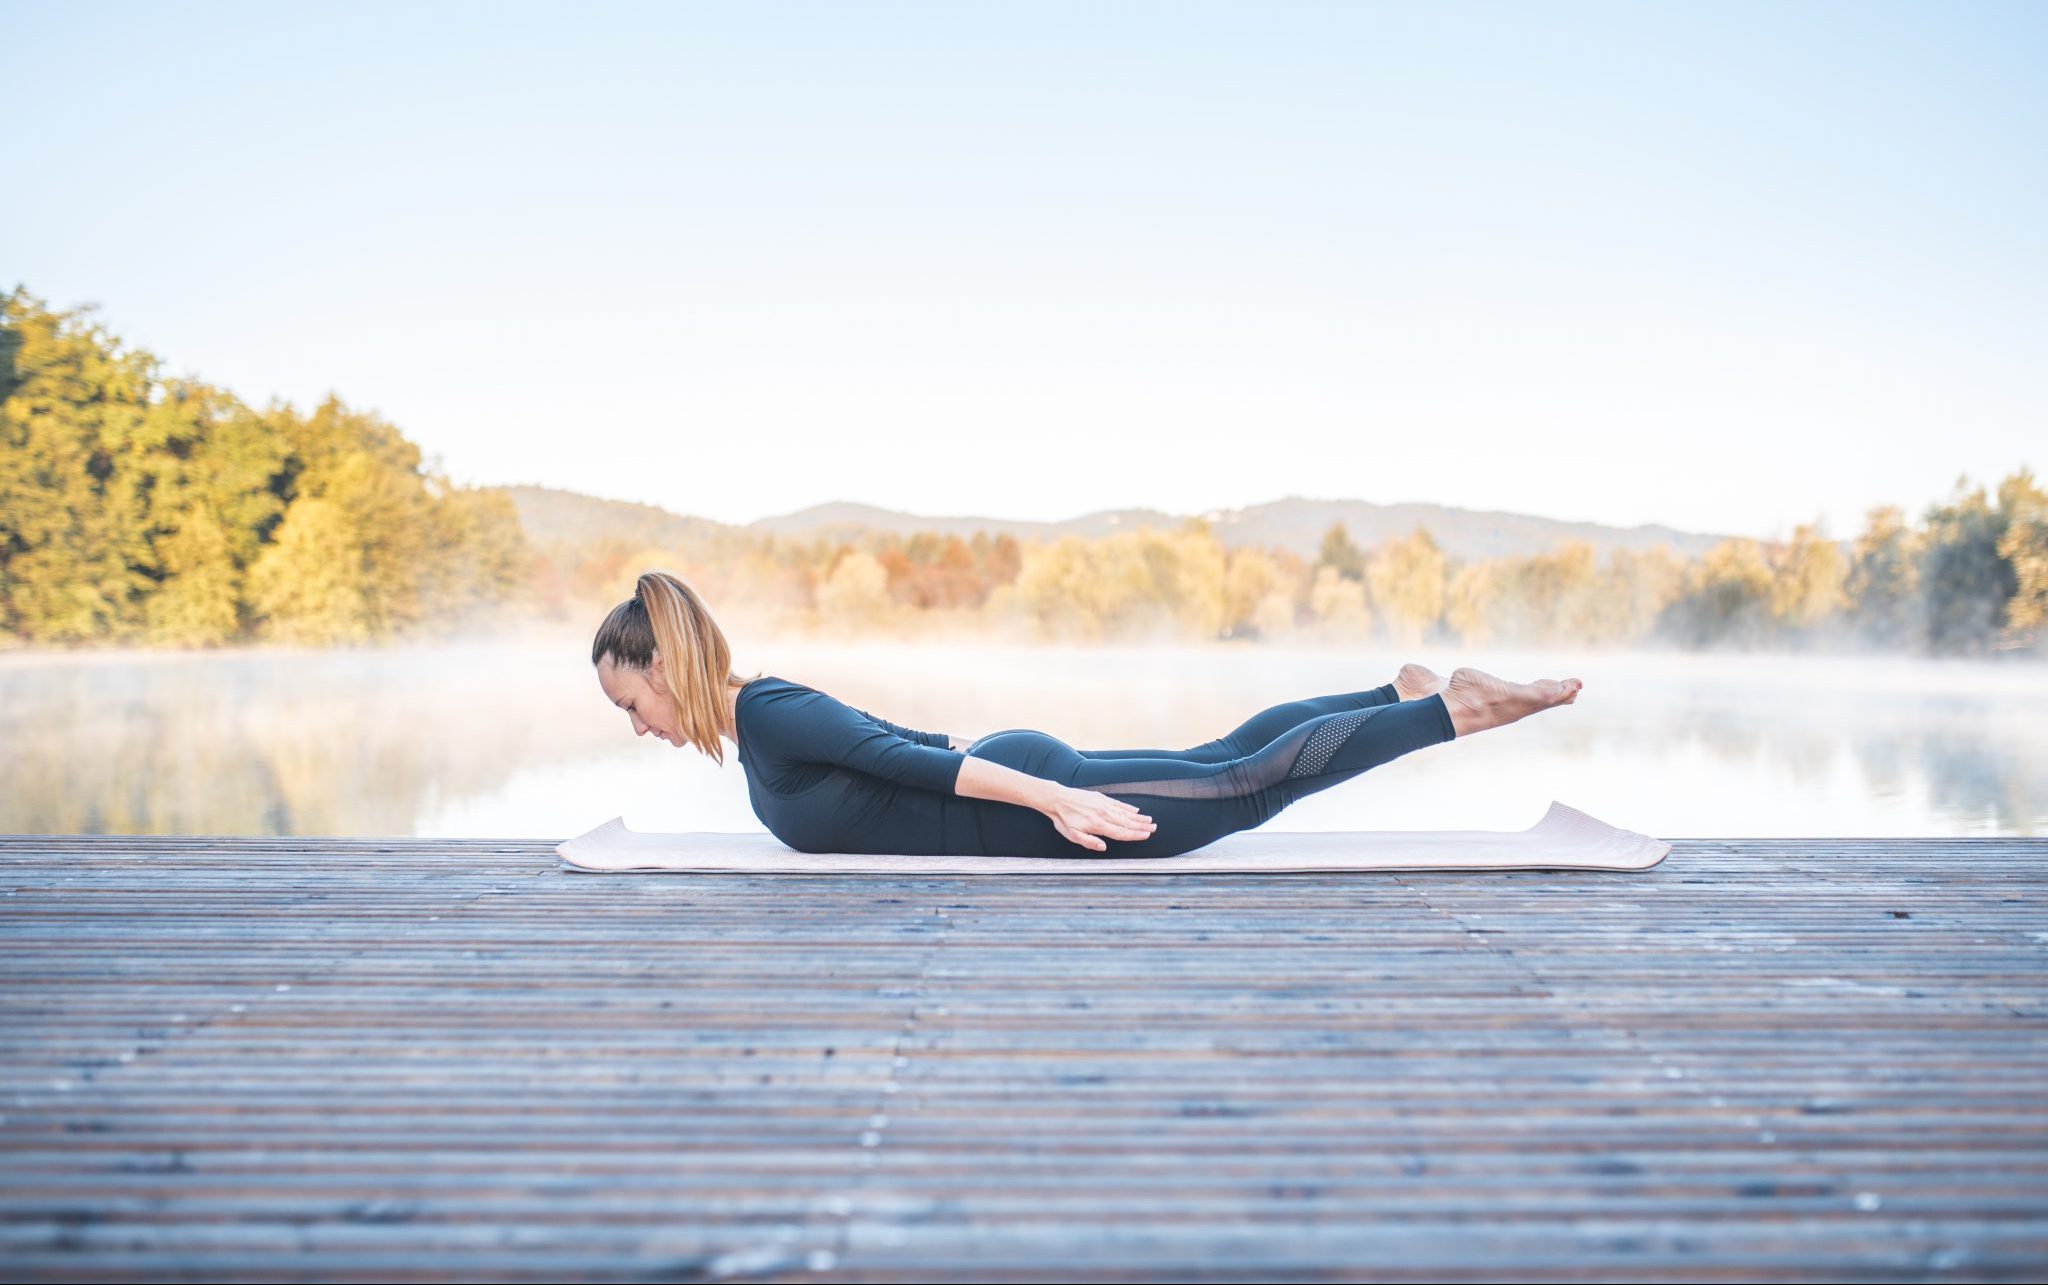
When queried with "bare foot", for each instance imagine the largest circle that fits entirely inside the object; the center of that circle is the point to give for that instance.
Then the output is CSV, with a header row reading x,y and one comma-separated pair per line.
x,y
1417,681
1477,700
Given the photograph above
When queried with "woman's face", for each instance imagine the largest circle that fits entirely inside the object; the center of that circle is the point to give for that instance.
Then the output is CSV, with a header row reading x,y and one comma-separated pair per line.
x,y
643,694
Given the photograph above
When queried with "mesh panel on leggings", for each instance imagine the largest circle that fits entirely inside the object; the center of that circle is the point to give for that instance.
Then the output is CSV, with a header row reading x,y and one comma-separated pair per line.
x,y
1305,751
1323,743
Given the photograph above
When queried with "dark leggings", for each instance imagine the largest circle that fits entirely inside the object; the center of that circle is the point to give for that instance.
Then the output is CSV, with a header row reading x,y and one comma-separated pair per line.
x,y
1233,783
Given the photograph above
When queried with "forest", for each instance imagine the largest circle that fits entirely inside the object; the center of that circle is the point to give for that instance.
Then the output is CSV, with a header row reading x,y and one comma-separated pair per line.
x,y
142,510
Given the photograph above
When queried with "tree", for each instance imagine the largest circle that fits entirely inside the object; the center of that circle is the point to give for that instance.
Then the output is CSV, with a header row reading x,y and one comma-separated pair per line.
x,y
72,506
855,596
1340,554
1337,604
210,462
2025,547
1883,582
311,585
137,507
1965,582
1808,574
1472,601
1406,580
1726,598
200,599
1257,597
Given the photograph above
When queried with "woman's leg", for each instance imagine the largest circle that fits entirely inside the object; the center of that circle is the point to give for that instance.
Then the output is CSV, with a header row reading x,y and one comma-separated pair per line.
x,y
1262,728
1195,804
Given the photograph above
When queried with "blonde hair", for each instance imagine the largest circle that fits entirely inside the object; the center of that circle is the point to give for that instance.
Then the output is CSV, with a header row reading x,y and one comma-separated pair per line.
x,y
666,615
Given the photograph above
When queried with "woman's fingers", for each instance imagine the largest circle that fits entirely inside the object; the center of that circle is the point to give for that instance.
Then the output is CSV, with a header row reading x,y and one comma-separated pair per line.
x,y
1127,828
1138,820
1085,840
1128,808
1096,813
1088,840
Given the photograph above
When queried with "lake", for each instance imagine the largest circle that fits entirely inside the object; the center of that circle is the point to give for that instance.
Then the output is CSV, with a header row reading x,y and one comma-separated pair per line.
x,y
513,739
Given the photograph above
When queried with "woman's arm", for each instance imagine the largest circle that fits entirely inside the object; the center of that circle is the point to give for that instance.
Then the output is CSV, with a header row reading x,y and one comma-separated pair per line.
x,y
985,779
1079,815
806,725
934,739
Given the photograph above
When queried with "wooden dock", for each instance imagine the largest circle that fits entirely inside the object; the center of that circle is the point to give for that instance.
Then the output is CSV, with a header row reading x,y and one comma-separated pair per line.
x,y
232,1059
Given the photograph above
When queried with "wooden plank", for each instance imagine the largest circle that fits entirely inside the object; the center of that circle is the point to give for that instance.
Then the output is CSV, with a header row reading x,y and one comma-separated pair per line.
x,y
266,1058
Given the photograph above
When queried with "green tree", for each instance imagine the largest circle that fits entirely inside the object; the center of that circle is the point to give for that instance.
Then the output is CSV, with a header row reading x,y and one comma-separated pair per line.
x,y
210,463
200,598
311,585
72,507
1339,553
132,507
1965,581
480,560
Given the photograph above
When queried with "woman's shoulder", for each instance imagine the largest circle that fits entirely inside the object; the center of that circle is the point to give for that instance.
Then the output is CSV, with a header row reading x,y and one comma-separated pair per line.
x,y
770,692
768,683
775,717
775,703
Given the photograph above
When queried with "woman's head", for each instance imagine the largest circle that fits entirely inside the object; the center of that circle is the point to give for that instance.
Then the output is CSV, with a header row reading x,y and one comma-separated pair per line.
x,y
663,659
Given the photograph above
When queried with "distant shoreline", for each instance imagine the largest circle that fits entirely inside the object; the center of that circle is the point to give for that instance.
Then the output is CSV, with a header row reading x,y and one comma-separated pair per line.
x,y
768,652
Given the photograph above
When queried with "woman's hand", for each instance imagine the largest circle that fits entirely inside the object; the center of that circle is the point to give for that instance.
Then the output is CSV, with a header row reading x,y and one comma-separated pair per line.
x,y
1080,815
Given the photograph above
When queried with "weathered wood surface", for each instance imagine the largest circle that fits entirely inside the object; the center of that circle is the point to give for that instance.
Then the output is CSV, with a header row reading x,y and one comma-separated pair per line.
x,y
345,1059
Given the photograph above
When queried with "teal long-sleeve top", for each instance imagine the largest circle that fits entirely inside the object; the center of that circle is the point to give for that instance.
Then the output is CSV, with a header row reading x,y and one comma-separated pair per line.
x,y
826,777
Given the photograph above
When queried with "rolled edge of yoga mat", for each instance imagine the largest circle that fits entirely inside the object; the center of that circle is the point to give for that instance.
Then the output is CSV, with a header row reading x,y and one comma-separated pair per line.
x,y
1563,839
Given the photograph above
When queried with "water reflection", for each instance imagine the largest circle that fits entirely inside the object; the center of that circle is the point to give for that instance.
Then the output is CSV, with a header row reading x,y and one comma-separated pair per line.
x,y
278,742
514,740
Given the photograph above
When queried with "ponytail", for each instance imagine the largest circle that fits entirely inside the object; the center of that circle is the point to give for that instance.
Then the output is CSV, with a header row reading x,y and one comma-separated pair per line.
x,y
665,615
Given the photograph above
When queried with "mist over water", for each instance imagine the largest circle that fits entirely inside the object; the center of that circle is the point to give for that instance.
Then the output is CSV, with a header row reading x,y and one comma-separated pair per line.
x,y
514,739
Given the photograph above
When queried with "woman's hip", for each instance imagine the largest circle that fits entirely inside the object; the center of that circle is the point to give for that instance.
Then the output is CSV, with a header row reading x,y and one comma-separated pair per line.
x,y
1029,751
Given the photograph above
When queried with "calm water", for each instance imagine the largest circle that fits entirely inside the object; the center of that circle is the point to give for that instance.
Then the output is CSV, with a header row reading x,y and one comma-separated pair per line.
x,y
514,740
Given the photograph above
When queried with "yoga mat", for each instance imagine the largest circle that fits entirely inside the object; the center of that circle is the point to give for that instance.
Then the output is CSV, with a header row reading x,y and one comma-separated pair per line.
x,y
1565,839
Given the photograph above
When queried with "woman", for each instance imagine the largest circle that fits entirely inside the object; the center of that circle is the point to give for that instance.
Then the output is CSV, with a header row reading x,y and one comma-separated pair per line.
x,y
825,777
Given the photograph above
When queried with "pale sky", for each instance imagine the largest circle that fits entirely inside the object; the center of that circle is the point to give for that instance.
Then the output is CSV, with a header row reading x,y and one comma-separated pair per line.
x,y
1724,266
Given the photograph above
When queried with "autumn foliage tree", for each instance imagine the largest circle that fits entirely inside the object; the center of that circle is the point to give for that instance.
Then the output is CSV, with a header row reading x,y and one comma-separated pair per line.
x,y
135,508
